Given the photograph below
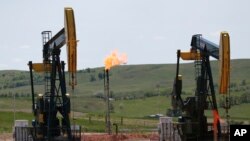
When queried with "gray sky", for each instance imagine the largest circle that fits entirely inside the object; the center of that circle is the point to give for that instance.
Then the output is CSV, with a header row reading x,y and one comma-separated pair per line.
x,y
149,31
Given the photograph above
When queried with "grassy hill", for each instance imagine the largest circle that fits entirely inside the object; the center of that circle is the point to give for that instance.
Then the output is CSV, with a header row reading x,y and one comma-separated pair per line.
x,y
126,82
138,90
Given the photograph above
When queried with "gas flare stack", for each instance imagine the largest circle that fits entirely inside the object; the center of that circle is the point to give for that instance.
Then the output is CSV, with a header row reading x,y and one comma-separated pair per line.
x,y
113,59
106,92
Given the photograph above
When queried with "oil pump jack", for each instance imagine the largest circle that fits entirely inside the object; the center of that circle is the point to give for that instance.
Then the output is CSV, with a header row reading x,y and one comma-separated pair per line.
x,y
192,110
47,126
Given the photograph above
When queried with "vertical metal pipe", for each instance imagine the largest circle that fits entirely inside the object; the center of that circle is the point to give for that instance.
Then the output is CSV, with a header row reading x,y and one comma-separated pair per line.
x,y
178,63
116,128
108,103
104,81
105,93
66,100
32,86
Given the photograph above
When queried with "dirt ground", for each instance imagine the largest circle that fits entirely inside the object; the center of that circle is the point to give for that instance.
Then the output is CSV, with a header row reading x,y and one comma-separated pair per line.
x,y
121,137
104,137
6,137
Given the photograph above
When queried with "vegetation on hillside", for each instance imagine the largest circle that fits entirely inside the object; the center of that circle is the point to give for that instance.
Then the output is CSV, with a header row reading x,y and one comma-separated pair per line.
x,y
127,83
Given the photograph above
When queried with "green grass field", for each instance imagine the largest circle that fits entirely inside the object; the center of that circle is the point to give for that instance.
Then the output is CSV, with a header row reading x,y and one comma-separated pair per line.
x,y
134,113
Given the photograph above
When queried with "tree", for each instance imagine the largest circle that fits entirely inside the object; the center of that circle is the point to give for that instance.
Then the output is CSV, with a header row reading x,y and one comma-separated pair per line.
x,y
243,82
88,70
232,85
100,76
92,78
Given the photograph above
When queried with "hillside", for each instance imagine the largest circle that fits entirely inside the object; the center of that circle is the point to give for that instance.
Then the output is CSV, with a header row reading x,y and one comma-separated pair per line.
x,y
126,82
138,90
124,79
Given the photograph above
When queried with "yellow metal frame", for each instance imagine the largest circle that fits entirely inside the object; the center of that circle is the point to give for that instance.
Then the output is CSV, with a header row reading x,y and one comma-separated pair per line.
x,y
70,32
40,67
224,62
192,55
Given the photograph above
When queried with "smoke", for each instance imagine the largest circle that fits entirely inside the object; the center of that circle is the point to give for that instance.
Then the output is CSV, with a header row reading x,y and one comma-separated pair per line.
x,y
115,59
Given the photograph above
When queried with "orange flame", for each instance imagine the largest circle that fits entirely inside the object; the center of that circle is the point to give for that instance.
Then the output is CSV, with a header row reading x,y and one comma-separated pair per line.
x,y
115,59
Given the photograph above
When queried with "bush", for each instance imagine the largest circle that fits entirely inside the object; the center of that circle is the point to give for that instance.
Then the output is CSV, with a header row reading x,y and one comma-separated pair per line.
x,y
92,78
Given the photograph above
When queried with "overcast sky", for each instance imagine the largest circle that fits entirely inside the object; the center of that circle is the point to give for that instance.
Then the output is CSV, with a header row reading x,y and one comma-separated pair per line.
x,y
149,31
